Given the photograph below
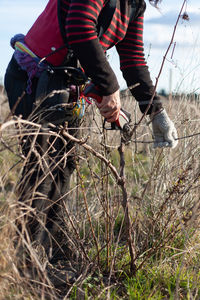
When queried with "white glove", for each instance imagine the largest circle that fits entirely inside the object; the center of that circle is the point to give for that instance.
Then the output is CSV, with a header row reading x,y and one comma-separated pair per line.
x,y
164,131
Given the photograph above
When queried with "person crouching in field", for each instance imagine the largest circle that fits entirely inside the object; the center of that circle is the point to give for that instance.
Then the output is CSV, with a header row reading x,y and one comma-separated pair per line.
x,y
68,34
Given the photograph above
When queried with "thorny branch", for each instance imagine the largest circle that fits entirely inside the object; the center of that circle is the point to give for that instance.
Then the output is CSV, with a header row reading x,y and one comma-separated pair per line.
x,y
125,206
121,182
82,142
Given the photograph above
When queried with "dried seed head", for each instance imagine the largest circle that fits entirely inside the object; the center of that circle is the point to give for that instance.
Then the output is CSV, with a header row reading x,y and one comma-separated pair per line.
x,y
185,16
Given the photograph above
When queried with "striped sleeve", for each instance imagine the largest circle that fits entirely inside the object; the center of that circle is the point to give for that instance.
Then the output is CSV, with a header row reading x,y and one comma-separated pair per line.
x,y
80,28
81,20
133,65
131,49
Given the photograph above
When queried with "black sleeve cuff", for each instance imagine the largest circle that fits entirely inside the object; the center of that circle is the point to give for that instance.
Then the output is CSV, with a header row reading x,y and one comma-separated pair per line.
x,y
143,90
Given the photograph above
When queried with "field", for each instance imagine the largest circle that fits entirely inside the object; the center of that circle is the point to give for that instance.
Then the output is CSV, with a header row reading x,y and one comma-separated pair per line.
x,y
132,230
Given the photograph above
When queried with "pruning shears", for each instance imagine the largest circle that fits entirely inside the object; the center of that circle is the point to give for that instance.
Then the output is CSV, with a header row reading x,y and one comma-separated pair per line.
x,y
122,123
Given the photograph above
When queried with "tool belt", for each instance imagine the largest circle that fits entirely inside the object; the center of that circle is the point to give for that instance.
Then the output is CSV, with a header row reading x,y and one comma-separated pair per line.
x,y
58,95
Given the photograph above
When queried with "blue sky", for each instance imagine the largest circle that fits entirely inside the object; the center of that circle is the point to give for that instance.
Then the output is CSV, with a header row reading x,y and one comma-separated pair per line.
x,y
16,16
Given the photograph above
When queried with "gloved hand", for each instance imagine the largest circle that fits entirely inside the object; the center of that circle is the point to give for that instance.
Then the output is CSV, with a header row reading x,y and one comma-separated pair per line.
x,y
164,131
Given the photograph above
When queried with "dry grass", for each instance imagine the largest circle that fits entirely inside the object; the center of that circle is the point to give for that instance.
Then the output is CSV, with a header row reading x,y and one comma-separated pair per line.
x,y
162,189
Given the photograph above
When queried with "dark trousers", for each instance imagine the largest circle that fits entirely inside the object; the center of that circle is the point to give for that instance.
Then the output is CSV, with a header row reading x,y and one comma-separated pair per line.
x,y
15,83
45,182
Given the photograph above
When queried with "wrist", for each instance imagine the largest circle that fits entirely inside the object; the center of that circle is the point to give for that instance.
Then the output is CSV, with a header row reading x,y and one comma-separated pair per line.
x,y
154,107
154,113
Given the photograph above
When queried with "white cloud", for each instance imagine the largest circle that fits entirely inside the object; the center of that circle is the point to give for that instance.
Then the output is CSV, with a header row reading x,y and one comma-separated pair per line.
x,y
183,58
174,6
160,35
171,17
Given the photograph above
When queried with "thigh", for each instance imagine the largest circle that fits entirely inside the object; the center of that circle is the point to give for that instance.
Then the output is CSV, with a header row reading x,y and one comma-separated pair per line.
x,y
15,84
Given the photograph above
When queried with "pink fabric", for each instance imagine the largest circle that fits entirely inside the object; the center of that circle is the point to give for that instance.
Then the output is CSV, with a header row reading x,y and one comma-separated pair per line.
x,y
44,36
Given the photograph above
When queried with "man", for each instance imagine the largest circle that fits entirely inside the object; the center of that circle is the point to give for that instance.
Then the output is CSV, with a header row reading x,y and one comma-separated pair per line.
x,y
83,30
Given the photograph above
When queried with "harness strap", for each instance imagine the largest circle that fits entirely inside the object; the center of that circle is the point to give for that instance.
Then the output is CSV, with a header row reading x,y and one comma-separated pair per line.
x,y
105,16
107,13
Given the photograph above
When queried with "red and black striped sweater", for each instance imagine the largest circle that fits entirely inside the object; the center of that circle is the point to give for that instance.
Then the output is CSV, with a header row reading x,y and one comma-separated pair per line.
x,y
80,18
78,22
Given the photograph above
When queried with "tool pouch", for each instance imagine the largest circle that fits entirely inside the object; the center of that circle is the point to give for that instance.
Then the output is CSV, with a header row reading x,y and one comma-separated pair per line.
x,y
57,95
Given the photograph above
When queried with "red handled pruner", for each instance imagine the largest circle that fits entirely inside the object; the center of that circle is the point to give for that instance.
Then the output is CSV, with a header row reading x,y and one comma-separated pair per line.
x,y
124,117
122,123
